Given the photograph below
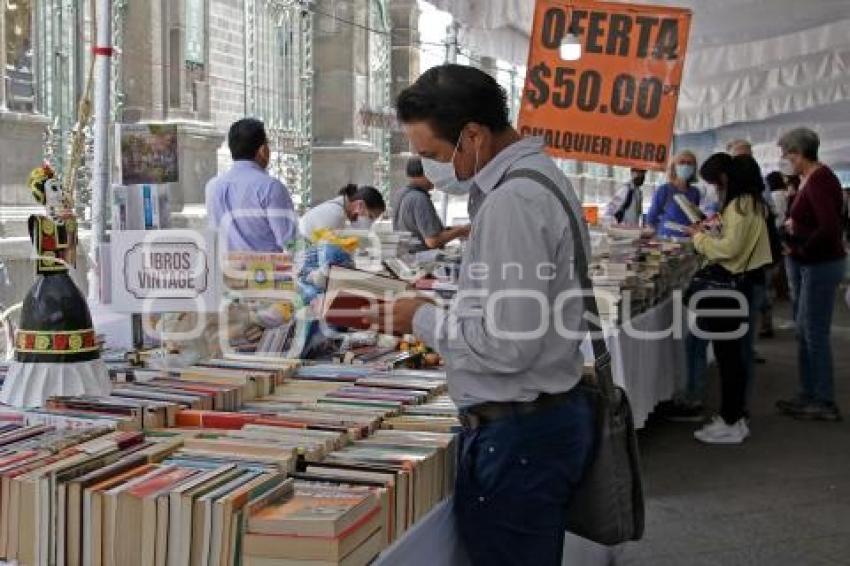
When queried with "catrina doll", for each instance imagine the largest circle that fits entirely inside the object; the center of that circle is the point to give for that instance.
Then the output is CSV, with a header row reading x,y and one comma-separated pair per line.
x,y
56,352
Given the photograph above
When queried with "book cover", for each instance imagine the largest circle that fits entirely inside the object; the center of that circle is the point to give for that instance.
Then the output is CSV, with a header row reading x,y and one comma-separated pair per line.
x,y
314,513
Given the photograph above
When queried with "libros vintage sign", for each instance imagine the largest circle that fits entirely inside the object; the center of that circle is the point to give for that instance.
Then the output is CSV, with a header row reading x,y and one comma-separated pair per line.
x,y
166,270
163,270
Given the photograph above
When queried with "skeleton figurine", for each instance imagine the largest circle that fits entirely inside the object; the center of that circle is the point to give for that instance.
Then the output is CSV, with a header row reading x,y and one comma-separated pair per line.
x,y
56,352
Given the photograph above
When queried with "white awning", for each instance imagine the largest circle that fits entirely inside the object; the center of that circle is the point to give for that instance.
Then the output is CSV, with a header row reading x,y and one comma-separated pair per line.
x,y
753,69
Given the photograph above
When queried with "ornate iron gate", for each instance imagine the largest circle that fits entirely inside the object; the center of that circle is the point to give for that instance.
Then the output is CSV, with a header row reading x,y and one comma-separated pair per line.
x,y
279,86
60,62
379,85
62,43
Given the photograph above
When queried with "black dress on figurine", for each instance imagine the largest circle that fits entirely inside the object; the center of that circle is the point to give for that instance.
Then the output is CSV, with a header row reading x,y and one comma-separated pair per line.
x,y
56,352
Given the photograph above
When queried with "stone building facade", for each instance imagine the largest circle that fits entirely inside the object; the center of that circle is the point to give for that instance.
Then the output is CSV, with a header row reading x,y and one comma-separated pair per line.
x,y
316,71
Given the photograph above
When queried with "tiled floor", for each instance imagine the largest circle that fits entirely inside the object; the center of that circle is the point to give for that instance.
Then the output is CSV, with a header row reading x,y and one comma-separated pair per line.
x,y
783,498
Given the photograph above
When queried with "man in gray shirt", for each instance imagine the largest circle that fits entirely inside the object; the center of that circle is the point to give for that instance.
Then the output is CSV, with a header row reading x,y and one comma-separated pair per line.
x,y
414,212
511,340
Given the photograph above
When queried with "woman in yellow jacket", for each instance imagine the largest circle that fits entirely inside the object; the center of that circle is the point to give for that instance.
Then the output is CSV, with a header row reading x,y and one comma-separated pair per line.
x,y
742,248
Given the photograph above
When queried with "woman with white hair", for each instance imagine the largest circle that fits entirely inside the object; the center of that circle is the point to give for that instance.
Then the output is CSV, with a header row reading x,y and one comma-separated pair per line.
x,y
664,211
816,250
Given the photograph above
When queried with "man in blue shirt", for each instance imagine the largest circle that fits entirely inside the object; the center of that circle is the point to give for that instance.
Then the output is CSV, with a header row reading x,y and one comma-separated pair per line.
x,y
253,208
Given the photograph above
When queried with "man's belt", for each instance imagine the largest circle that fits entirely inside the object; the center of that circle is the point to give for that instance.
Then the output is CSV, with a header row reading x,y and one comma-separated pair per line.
x,y
491,411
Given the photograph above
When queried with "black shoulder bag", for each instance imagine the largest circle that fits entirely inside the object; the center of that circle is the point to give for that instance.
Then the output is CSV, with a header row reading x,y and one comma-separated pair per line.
x,y
608,505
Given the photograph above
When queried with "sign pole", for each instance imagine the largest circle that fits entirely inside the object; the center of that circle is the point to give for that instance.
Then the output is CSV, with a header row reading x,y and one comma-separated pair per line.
x,y
103,52
451,57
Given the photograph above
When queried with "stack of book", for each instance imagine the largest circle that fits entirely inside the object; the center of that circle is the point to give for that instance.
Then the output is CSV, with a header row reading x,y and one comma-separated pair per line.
x,y
215,447
279,369
630,275
196,395
107,497
177,514
243,270
353,424
438,415
113,413
51,486
423,464
318,523
239,384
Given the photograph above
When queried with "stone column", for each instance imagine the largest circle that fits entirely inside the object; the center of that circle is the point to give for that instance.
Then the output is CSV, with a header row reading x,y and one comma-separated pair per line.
x,y
340,156
160,84
3,58
404,16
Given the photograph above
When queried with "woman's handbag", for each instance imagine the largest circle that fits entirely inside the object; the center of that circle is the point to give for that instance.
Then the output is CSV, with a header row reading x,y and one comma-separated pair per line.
x,y
712,277
608,506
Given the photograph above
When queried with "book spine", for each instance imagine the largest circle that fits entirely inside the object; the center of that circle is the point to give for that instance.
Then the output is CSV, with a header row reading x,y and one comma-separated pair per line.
x,y
212,419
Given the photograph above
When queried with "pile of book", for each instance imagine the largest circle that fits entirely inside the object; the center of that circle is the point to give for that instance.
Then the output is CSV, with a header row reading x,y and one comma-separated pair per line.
x,y
206,482
417,469
53,485
316,523
244,270
631,275
438,415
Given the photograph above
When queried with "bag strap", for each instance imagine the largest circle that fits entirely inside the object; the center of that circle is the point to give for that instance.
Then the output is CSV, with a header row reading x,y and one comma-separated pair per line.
x,y
627,202
602,358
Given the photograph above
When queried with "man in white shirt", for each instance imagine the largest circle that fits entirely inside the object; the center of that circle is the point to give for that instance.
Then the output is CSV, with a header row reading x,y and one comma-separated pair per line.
x,y
627,205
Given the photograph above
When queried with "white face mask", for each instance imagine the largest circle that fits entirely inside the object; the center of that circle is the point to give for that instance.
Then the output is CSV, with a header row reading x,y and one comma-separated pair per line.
x,y
786,168
684,171
444,175
362,223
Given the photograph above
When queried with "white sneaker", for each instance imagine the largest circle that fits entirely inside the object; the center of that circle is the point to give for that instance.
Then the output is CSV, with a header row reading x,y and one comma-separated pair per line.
x,y
721,433
716,423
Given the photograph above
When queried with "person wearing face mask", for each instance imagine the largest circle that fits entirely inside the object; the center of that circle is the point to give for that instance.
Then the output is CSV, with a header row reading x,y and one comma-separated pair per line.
x,y
357,207
740,250
252,207
816,249
511,339
414,212
627,205
681,177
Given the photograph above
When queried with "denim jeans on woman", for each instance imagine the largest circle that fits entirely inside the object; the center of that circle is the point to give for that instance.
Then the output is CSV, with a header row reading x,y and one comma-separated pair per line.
x,y
813,288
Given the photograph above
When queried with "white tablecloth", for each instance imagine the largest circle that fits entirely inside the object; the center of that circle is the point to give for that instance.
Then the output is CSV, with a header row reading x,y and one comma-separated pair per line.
x,y
433,541
648,357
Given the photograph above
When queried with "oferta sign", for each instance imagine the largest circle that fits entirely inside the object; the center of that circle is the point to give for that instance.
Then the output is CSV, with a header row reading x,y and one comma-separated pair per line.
x,y
616,103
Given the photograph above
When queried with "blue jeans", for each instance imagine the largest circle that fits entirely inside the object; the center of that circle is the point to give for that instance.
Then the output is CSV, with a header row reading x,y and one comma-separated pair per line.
x,y
792,290
759,300
516,477
813,289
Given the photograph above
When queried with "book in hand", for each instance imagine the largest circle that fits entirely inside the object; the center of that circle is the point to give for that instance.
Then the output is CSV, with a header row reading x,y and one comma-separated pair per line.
x,y
675,226
690,210
351,292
